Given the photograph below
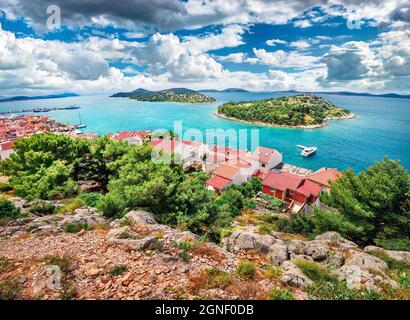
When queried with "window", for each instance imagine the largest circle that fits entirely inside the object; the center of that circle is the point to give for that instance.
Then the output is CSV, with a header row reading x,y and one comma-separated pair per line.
x,y
263,165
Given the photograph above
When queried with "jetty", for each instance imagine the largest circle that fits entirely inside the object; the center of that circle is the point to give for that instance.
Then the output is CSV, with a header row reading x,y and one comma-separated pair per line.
x,y
41,110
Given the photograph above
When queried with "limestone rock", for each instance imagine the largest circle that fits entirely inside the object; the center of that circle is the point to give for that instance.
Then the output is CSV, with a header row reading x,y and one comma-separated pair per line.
x,y
248,240
403,256
317,249
357,278
334,239
278,253
140,217
296,246
364,261
293,276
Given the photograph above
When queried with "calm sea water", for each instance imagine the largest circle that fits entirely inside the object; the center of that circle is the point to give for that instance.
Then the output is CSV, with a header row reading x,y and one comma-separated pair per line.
x,y
382,125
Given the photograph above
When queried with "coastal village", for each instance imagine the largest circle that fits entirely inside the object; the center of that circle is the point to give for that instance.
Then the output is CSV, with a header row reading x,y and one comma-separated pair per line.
x,y
298,188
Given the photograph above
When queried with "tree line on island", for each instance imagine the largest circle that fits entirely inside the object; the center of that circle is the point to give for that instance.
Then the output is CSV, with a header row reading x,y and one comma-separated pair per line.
x,y
182,95
372,207
299,110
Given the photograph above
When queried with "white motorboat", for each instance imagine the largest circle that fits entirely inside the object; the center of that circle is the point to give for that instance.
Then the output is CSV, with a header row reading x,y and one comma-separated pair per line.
x,y
307,151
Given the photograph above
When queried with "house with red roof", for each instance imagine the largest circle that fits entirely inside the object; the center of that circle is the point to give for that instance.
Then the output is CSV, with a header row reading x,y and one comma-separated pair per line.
x,y
132,137
6,149
268,158
324,177
190,153
299,193
226,175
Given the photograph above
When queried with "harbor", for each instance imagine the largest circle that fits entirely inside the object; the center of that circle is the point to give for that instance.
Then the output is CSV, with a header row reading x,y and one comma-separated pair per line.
x,y
41,110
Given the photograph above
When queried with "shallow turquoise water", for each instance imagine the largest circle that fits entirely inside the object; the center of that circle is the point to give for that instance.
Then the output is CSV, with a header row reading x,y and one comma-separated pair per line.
x,y
382,125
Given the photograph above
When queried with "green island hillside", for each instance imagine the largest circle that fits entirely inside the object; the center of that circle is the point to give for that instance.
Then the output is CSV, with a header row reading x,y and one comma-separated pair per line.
x,y
303,110
170,95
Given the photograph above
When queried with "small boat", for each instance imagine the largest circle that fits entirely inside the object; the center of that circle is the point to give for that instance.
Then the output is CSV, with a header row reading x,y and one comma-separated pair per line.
x,y
81,124
307,151
72,107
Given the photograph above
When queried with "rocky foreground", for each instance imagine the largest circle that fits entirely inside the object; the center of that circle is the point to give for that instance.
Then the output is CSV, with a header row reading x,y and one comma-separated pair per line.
x,y
82,255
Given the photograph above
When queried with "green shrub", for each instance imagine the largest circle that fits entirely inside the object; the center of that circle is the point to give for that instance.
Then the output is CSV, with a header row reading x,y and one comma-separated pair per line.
x,y
315,271
118,270
273,203
265,228
272,272
91,199
246,269
70,205
8,209
126,235
5,187
42,207
184,246
249,203
281,294
5,265
74,228
217,278
335,290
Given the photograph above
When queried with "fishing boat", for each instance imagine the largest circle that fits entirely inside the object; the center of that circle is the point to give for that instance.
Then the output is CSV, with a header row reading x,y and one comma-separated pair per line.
x,y
81,124
307,151
72,107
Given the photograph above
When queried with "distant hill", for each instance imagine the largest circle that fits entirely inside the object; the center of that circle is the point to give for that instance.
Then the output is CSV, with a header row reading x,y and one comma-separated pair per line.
x,y
225,90
356,94
303,111
169,95
52,96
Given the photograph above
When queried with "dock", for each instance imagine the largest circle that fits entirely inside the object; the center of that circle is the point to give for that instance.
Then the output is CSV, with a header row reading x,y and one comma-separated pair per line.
x,y
40,110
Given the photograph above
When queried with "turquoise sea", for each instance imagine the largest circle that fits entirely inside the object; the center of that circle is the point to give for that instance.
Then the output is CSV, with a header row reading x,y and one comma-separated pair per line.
x,y
381,126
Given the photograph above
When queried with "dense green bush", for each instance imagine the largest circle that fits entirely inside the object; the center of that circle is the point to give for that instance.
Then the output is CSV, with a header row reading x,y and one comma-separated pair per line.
x,y
8,209
91,199
42,207
281,294
246,269
373,207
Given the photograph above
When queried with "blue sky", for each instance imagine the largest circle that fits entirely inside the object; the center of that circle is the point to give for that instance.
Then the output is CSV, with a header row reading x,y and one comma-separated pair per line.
x,y
258,45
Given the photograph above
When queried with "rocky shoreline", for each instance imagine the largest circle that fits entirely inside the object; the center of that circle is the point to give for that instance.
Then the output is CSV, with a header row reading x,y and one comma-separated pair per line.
x,y
257,123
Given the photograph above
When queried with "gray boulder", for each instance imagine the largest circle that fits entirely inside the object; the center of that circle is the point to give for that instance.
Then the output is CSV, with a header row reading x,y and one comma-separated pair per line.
x,y
278,253
293,276
334,239
357,278
403,256
140,217
248,240
317,249
296,246
364,261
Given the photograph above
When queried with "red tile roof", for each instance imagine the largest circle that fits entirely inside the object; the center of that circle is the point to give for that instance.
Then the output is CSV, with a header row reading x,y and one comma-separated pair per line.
x,y
282,180
218,182
324,175
228,152
8,145
264,154
309,188
226,171
123,135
